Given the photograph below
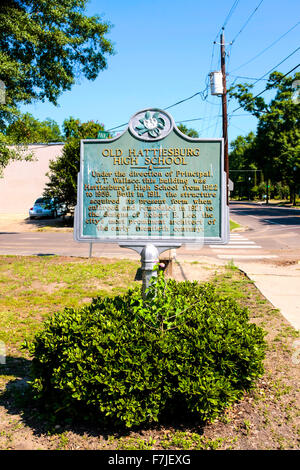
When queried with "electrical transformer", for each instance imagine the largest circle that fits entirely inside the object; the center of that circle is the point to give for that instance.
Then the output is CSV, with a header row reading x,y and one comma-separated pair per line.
x,y
216,83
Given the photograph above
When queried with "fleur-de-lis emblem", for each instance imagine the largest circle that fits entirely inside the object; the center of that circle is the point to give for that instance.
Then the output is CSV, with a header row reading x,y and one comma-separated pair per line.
x,y
151,124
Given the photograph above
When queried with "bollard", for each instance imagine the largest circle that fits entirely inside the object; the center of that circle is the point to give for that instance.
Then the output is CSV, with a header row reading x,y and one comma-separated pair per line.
x,y
149,258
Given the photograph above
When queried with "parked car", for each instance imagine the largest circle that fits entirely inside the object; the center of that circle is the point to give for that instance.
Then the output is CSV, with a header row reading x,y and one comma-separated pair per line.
x,y
47,207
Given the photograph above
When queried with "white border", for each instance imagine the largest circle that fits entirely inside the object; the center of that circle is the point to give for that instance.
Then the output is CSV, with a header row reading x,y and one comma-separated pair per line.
x,y
159,241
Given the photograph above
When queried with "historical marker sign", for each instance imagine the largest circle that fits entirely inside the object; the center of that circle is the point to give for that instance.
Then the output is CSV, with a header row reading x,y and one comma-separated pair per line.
x,y
152,184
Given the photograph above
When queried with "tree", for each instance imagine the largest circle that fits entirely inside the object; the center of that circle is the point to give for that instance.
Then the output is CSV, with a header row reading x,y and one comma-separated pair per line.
x,y
63,171
242,152
45,45
278,133
190,132
242,164
27,129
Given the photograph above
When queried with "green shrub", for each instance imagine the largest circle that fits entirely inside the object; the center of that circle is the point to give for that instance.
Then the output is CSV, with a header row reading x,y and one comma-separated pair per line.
x,y
254,192
183,350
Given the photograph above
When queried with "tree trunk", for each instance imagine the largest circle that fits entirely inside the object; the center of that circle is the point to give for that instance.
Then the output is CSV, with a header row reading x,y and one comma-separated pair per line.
x,y
291,188
294,195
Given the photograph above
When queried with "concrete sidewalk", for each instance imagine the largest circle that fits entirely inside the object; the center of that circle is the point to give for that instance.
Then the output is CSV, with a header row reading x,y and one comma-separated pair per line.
x,y
279,284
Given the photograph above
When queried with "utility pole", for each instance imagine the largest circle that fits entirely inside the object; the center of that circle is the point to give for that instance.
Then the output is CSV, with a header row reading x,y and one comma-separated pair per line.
x,y
224,113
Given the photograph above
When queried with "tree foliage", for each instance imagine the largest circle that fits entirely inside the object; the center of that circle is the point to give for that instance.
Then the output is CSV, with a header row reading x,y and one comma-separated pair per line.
x,y
45,45
276,150
28,129
243,167
63,171
242,153
189,132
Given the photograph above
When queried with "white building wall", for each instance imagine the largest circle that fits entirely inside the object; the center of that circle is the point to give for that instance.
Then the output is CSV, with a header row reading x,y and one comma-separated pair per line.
x,y
24,181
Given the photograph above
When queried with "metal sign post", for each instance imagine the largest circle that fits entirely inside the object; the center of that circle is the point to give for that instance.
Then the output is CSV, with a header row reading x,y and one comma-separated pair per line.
x,y
152,189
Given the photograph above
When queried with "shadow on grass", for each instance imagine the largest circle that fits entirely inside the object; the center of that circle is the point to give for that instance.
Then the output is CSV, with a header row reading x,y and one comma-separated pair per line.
x,y
48,222
44,254
18,399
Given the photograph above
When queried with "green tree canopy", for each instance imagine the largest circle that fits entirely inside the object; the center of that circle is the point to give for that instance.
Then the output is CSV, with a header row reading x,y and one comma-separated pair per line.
x,y
45,45
63,171
243,166
278,132
74,128
242,154
185,130
27,129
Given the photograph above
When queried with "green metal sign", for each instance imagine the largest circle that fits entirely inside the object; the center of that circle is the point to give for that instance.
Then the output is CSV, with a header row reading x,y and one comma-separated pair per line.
x,y
152,184
102,135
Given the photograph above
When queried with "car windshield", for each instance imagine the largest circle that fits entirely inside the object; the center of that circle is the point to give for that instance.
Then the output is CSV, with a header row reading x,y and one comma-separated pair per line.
x,y
42,200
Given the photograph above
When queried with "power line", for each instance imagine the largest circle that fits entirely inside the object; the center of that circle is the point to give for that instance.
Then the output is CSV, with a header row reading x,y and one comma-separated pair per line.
x,y
277,81
266,48
271,70
233,7
117,127
205,118
209,127
205,109
246,78
186,120
201,93
182,101
211,60
274,83
262,77
245,24
230,14
227,18
195,119
241,30
217,120
239,128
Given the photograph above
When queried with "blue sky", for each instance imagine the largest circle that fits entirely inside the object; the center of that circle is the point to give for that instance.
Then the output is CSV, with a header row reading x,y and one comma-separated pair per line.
x,y
164,52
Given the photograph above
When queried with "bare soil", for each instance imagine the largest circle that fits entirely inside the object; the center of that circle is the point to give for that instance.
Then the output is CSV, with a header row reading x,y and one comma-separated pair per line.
x,y
22,223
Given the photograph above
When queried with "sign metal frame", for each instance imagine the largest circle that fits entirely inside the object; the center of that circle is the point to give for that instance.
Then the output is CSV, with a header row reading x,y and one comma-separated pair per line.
x,y
162,241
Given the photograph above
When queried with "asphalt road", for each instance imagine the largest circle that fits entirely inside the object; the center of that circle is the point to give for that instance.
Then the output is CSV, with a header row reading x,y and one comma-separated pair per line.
x,y
275,229
270,234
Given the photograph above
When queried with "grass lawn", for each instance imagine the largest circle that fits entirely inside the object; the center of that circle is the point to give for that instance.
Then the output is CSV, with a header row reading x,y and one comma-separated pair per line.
x,y
34,287
233,225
